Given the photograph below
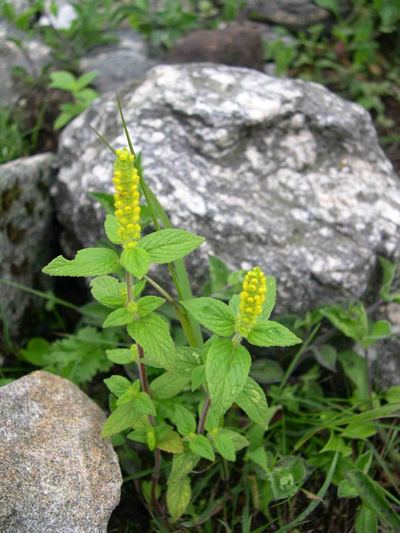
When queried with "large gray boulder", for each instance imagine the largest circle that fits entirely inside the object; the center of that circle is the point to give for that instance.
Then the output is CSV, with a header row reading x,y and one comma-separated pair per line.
x,y
57,473
116,64
26,219
275,172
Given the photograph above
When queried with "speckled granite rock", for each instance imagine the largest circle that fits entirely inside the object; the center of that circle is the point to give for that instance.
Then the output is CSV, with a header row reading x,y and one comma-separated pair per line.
x,y
118,63
26,216
276,172
57,473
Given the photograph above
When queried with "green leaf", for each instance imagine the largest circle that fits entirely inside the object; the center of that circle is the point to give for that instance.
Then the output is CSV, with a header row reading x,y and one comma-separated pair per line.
x,y
87,262
266,371
118,385
352,322
123,417
392,395
287,477
366,520
105,199
253,402
119,317
147,304
388,275
108,291
182,465
184,420
64,80
37,352
213,314
373,496
224,445
122,356
239,441
178,497
336,444
359,430
379,330
355,368
111,227
144,404
85,79
270,297
169,245
152,333
137,261
198,376
168,385
227,368
269,333
326,355
170,442
62,120
201,446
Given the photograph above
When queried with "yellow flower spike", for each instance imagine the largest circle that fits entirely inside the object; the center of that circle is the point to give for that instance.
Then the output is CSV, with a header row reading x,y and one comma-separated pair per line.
x,y
127,198
252,299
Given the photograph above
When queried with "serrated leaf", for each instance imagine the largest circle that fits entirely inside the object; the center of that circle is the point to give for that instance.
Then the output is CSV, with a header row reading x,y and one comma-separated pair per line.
x,y
87,262
269,333
168,385
182,465
144,404
118,385
64,80
239,441
201,446
168,245
111,227
108,291
198,376
213,314
123,417
136,262
122,356
37,352
227,368
147,304
170,442
253,402
224,446
178,497
184,420
152,333
118,317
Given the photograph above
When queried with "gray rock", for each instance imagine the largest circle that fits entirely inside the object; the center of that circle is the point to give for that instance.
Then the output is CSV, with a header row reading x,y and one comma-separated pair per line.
x,y
57,473
26,217
275,172
293,14
118,63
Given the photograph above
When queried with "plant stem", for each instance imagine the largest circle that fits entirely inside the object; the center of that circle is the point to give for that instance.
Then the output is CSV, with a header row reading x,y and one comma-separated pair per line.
x,y
203,416
183,319
296,358
144,380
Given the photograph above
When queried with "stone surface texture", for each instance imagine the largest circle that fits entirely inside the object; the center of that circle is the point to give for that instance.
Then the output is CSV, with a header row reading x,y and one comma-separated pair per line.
x,y
26,218
235,45
275,172
57,473
293,14
118,63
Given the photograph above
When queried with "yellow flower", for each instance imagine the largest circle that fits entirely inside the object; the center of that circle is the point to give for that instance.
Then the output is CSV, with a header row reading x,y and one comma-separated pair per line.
x,y
127,198
252,299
